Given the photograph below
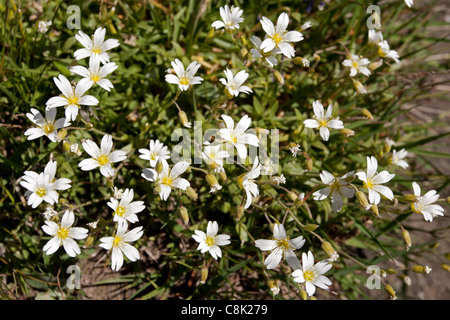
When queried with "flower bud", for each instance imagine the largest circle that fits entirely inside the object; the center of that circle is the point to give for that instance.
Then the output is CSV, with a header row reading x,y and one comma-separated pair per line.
x,y
223,175
421,269
239,212
410,198
89,126
211,179
159,167
375,65
191,193
292,195
347,132
66,147
446,267
374,209
359,87
184,214
390,291
407,239
405,279
367,113
184,120
362,199
310,227
309,164
303,294
273,285
89,241
328,248
157,190
244,52
278,76
204,275
110,183
61,134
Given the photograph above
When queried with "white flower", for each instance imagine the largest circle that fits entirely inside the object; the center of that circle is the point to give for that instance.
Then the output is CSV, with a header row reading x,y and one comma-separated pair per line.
x,y
49,213
409,3
96,74
238,136
126,208
397,158
425,204
357,64
372,181
213,156
234,83
375,37
72,97
120,245
385,52
306,25
184,79
267,168
337,188
312,274
101,157
43,186
295,149
118,193
45,126
278,37
168,178
96,47
210,241
281,247
259,53
43,26
230,18
157,151
323,121
63,235
248,184
279,180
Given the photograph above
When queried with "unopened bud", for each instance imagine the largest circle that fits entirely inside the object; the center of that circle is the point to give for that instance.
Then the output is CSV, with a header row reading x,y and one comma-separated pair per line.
x,y
347,132
89,126
211,179
239,212
88,241
157,190
362,199
367,113
223,175
204,275
446,267
309,164
61,135
421,269
184,214
407,280
374,209
410,198
292,195
244,52
191,193
184,120
390,291
66,146
159,167
387,146
407,239
328,248
110,183
359,87
310,227
278,76
303,294
447,199
273,285
376,64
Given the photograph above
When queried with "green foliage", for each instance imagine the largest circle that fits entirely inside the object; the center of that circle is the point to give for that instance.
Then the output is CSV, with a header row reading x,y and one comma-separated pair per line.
x,y
141,107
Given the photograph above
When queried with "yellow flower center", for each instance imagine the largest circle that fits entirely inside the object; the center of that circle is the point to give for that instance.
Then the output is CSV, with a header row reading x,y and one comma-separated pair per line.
x,y
73,100
184,81
210,241
48,128
120,211
323,123
232,86
41,192
355,64
284,244
335,186
97,50
62,233
153,156
233,138
308,275
277,38
167,181
95,78
381,52
103,160
368,184
117,240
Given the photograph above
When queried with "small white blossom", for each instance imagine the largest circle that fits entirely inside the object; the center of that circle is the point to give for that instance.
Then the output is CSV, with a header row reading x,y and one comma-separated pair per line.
x,y
102,157
96,47
230,18
210,241
409,3
237,136
312,274
126,208
295,149
247,182
259,53
375,37
357,64
120,245
385,52
397,158
45,126
281,247
96,74
157,151
184,78
323,121
213,155
234,84
426,204
337,188
64,235
279,180
43,26
49,212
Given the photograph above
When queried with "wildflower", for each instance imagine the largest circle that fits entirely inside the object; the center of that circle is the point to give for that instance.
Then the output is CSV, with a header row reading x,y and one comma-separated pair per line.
x,y
126,208
372,181
72,97
359,87
397,158
101,157
409,3
64,235
157,151
213,156
267,168
306,25
49,213
385,52
95,47
43,26
323,121
210,241
168,178
230,18
294,148
312,274
120,245
279,179
281,247
375,37
43,186
233,84
259,53
237,136
425,204
45,126
96,74
278,37
337,188
248,184
357,64
184,78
